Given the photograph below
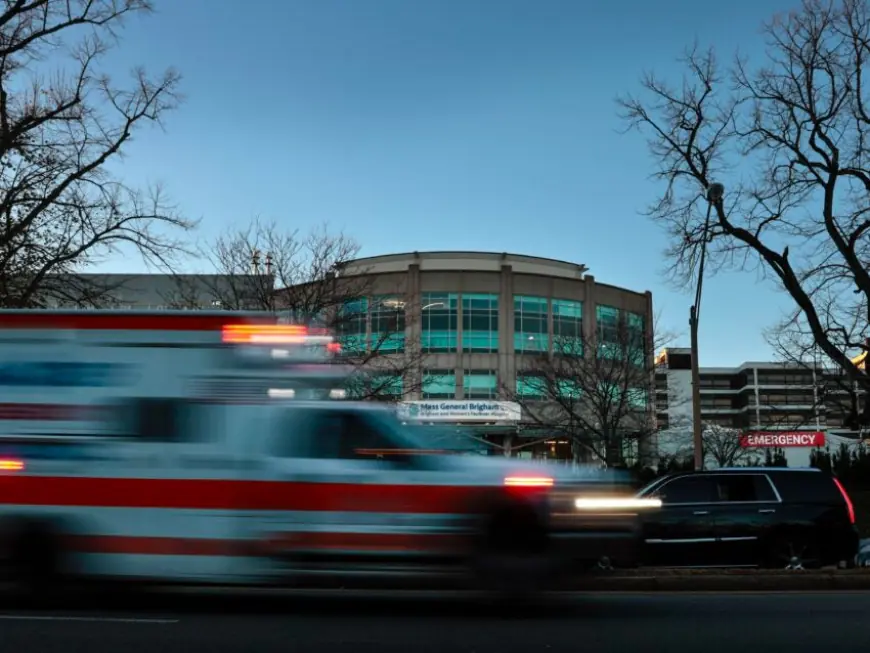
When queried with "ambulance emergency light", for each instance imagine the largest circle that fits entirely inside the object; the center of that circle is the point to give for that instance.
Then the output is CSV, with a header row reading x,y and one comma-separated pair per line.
x,y
276,334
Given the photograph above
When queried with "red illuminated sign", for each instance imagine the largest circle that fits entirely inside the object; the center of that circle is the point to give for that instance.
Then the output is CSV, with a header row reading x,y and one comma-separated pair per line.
x,y
783,439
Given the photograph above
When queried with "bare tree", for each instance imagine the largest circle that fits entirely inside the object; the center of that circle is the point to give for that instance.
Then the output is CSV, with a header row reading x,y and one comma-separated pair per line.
x,y
836,399
788,139
722,444
79,290
597,392
723,447
60,209
299,276
247,265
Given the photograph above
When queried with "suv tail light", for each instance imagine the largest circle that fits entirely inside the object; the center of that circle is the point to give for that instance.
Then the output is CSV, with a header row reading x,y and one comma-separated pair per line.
x,y
846,498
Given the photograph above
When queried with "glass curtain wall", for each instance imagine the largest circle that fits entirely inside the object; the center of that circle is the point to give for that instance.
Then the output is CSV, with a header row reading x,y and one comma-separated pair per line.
x,y
439,384
480,384
439,316
568,327
530,324
480,322
387,324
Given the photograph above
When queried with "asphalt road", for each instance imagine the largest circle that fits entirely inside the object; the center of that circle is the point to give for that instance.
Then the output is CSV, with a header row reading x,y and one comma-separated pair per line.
x,y
641,623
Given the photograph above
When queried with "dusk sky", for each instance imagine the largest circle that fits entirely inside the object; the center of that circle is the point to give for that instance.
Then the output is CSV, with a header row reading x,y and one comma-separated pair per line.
x,y
440,124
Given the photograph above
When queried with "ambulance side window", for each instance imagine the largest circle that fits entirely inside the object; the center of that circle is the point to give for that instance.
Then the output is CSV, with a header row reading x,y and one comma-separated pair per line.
x,y
159,420
344,435
325,432
362,440
294,436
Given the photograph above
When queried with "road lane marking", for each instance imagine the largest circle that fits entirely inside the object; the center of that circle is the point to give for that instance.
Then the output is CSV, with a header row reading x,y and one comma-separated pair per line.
x,y
117,620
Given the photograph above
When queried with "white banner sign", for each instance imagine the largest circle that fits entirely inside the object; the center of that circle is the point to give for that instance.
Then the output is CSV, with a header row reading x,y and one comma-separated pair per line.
x,y
461,411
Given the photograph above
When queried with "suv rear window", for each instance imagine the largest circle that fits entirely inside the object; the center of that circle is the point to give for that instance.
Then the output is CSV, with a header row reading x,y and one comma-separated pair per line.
x,y
807,487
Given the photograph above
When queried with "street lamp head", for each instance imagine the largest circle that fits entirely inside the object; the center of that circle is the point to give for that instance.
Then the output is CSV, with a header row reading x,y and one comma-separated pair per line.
x,y
715,193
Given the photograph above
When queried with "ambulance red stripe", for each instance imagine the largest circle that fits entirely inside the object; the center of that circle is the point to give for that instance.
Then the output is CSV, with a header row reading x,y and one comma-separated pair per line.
x,y
380,542
220,494
122,544
129,321
49,412
319,541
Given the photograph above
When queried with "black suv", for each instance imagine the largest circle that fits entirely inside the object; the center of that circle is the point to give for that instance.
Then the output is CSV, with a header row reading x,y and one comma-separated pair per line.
x,y
769,517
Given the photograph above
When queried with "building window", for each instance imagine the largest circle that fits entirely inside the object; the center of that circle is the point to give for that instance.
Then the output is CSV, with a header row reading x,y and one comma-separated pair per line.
x,y
616,393
638,398
480,322
351,325
439,384
387,324
530,324
379,387
607,325
620,334
388,387
531,387
635,325
568,389
439,314
480,384
568,327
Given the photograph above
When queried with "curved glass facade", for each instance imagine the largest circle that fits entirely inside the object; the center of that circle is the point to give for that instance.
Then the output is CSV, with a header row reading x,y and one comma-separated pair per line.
x,y
481,327
540,324
453,328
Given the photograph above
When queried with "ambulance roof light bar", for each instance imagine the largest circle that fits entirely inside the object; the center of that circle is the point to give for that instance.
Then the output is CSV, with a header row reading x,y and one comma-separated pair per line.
x,y
274,334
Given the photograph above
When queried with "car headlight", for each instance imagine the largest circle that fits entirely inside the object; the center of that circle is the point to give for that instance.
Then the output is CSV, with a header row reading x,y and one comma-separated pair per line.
x,y
616,503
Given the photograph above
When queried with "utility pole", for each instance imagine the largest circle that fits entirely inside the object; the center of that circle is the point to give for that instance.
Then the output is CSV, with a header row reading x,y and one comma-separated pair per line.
x,y
715,193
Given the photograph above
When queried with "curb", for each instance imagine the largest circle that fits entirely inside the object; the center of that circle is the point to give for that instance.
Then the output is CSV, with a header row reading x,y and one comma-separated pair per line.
x,y
796,582
844,580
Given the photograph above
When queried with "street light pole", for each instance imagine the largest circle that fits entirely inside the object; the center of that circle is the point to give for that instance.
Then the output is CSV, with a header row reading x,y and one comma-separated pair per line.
x,y
697,429
715,193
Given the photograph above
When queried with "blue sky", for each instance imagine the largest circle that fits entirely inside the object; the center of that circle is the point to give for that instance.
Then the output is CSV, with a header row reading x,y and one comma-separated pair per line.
x,y
439,124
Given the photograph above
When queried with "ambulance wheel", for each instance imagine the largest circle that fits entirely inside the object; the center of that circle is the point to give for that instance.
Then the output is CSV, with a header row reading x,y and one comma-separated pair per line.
x,y
36,569
512,558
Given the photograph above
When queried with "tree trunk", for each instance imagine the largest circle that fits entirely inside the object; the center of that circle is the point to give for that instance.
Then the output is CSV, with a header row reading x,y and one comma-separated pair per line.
x,y
576,451
646,447
613,451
